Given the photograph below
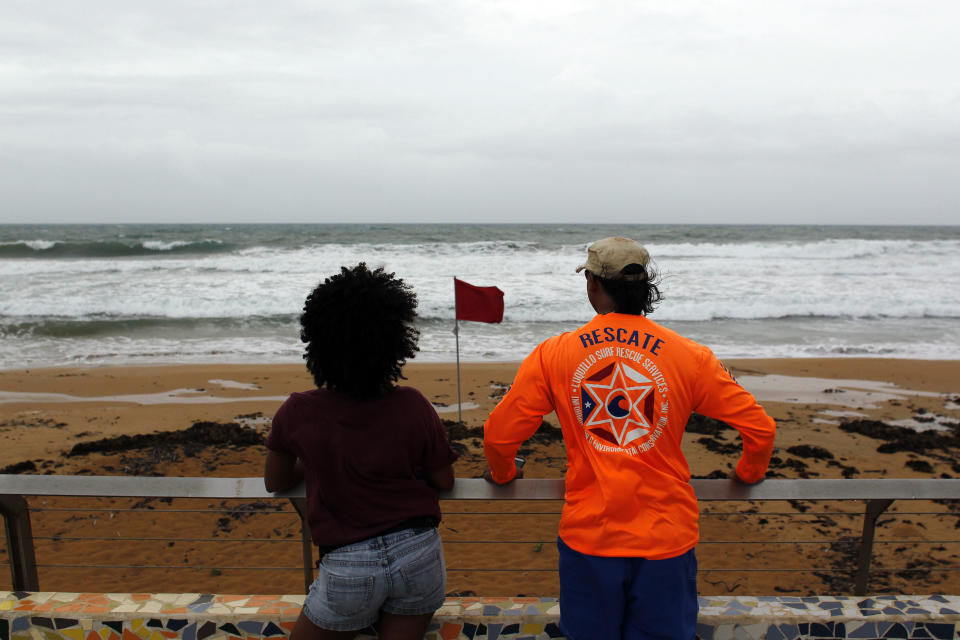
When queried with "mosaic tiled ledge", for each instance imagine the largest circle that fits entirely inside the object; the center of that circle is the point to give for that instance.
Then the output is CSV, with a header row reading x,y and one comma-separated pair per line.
x,y
192,616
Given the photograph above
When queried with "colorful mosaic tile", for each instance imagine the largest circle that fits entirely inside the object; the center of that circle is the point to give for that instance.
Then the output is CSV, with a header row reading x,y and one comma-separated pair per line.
x,y
113,616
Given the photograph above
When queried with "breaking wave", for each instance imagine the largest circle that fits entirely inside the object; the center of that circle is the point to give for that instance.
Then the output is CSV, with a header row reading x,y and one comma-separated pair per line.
x,y
109,249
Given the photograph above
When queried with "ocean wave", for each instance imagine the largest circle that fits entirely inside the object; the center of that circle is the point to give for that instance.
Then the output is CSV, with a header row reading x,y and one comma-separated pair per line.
x,y
109,249
545,256
481,248
108,326
705,316
814,251
185,293
214,290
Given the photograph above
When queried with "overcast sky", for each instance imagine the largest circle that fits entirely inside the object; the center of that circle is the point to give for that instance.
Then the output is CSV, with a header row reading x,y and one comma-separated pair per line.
x,y
814,111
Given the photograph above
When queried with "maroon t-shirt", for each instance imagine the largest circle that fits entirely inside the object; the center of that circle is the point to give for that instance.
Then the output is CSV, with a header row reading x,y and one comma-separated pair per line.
x,y
364,461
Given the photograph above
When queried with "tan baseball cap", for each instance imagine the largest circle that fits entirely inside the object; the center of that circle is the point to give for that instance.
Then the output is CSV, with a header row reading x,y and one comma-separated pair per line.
x,y
607,258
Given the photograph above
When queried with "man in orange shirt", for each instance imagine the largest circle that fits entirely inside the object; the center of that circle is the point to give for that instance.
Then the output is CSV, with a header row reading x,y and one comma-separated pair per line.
x,y
623,388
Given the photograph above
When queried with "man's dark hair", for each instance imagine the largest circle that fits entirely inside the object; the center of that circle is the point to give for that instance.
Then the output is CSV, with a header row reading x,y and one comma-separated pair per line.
x,y
638,295
358,329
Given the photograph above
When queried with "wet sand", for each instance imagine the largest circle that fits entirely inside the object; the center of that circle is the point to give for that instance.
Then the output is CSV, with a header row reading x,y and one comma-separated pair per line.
x,y
832,415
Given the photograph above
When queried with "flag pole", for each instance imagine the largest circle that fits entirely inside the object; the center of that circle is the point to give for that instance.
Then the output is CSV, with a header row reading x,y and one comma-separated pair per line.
x,y
456,332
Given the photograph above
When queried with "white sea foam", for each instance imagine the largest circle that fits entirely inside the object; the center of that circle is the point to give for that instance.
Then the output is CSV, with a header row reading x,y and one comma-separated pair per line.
x,y
743,295
36,245
233,384
156,245
538,285
810,252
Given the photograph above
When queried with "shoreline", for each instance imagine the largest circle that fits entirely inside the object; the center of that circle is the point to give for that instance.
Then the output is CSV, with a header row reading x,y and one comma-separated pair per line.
x,y
798,363
173,396
859,358
912,374
102,401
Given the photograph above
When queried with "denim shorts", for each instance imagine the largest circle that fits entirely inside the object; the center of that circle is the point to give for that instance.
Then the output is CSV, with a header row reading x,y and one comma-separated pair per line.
x,y
400,572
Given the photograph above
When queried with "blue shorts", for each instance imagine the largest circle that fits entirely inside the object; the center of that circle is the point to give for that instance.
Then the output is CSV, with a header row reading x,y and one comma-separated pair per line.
x,y
631,598
401,572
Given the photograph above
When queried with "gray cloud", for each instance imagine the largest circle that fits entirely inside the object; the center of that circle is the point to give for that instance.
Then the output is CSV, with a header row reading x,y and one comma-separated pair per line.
x,y
484,111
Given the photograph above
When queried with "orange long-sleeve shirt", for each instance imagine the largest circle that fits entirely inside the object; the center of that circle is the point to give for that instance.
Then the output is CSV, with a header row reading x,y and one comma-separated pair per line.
x,y
623,388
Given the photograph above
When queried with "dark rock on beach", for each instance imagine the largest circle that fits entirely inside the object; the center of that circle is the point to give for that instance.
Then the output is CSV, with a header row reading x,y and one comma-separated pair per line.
x,y
716,474
810,451
719,446
193,439
458,431
546,433
706,426
901,439
847,471
19,467
150,454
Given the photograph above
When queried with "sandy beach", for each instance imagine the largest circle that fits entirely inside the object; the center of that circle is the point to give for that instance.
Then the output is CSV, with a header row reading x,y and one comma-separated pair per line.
x,y
832,415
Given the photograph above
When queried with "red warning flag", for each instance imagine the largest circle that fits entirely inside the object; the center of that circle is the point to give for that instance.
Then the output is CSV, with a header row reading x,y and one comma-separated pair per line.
x,y
479,304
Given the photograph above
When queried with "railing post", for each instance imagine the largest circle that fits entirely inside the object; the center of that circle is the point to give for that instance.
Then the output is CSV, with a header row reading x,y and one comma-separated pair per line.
x,y
300,504
870,516
23,561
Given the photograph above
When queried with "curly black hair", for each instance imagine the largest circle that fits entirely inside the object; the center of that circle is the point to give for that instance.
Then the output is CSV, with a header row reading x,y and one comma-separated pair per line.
x,y
638,295
358,329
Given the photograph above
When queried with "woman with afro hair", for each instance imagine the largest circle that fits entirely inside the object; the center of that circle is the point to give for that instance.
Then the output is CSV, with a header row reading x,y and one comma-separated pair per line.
x,y
373,456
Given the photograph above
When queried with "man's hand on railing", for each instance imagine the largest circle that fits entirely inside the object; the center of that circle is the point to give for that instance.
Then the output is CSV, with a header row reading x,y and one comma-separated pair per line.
x,y
734,476
489,478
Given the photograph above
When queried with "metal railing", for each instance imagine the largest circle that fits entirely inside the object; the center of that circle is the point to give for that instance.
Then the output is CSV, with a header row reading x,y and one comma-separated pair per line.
x,y
878,495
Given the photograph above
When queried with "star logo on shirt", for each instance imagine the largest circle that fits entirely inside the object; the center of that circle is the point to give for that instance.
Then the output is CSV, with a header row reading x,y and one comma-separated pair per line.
x,y
617,405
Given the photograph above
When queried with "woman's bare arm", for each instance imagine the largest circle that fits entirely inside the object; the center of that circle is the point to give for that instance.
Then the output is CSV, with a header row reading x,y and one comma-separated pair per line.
x,y
441,479
282,471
